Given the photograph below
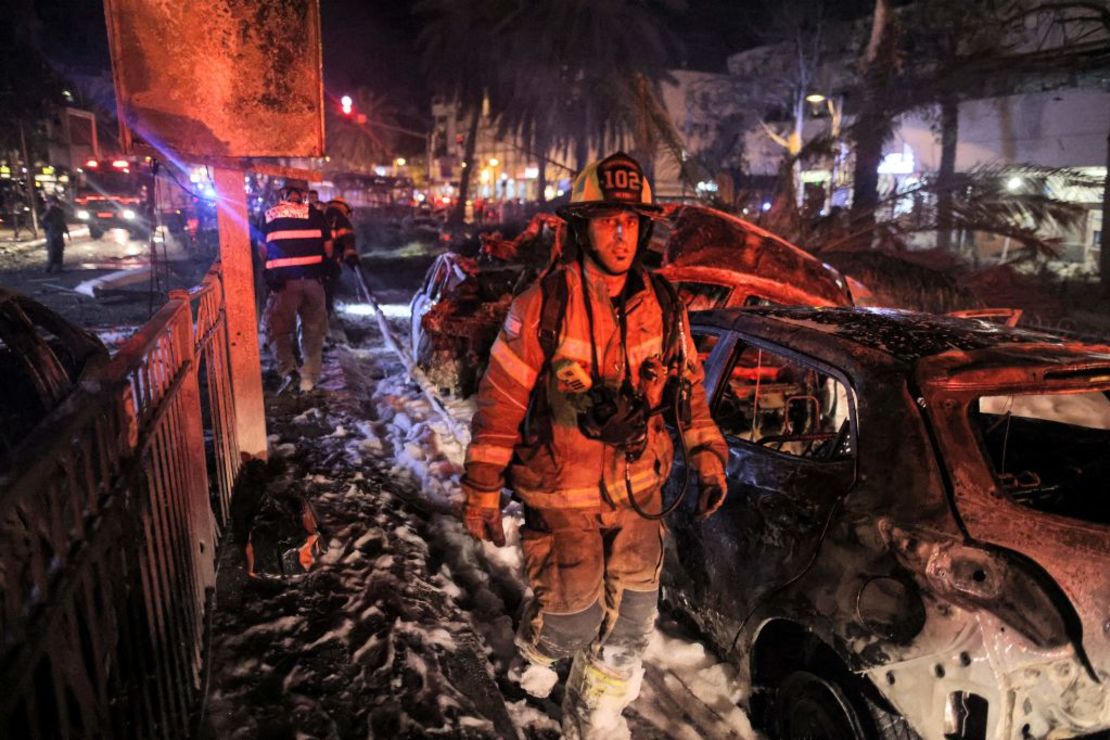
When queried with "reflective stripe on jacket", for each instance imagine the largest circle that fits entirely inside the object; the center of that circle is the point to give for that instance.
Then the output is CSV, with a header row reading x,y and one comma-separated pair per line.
x,y
295,234
294,261
570,470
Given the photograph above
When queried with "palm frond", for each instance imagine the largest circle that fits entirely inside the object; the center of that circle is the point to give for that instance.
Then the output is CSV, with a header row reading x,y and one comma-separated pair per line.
x,y
1021,203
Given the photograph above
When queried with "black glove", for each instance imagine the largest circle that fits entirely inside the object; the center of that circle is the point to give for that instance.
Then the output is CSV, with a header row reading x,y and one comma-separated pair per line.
x,y
710,498
482,515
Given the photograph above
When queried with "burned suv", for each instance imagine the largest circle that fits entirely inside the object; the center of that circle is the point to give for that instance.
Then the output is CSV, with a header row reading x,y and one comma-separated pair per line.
x,y
917,533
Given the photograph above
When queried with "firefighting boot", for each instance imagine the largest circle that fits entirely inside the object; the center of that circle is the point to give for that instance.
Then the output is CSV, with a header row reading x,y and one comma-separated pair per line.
x,y
596,697
534,671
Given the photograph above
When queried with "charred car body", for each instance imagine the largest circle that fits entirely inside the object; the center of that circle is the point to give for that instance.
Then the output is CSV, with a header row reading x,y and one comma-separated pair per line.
x,y
42,358
917,532
713,259
716,260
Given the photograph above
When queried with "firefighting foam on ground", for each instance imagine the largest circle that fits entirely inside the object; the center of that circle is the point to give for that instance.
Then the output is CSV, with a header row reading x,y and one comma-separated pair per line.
x,y
404,625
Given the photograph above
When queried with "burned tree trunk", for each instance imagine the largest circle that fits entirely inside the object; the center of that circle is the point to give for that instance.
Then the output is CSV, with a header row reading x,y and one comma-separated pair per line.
x,y
873,126
949,137
459,213
871,131
1104,238
541,170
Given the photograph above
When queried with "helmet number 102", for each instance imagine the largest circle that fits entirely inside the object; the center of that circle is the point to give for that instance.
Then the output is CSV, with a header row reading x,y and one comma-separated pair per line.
x,y
620,179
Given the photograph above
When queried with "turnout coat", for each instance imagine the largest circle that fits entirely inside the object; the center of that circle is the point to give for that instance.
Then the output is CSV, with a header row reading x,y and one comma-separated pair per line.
x,y
566,469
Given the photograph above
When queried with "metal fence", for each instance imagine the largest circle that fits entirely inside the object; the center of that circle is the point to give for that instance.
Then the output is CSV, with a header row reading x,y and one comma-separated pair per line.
x,y
108,533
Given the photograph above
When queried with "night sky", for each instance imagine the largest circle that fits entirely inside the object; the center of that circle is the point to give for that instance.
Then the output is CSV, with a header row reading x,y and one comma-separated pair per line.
x,y
372,43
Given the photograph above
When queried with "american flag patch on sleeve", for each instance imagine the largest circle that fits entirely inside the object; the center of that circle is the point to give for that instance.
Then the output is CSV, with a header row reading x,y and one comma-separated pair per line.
x,y
512,326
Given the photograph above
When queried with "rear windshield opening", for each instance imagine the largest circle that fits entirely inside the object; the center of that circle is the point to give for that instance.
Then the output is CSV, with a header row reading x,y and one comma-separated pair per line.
x,y
1050,452
703,296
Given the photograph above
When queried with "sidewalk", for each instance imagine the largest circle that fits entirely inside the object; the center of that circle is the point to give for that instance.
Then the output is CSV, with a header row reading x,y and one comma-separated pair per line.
x,y
7,238
404,628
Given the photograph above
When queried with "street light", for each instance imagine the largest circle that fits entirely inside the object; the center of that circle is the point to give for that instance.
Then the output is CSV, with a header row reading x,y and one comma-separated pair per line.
x,y
493,161
400,161
815,98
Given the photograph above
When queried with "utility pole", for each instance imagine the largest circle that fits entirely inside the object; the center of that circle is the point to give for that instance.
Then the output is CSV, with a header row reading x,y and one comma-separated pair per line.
x,y
242,320
30,182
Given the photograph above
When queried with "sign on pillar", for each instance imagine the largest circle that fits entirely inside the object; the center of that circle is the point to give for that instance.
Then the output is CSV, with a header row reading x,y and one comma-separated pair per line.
x,y
242,318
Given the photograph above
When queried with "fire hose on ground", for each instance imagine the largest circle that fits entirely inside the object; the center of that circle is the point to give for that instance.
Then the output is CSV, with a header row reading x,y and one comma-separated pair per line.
x,y
458,431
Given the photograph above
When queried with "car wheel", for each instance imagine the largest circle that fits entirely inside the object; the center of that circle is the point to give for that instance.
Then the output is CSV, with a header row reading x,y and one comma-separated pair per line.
x,y
808,706
95,233
815,708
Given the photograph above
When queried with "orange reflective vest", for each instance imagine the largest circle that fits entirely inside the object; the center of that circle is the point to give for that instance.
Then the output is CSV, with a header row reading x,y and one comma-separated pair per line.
x,y
568,469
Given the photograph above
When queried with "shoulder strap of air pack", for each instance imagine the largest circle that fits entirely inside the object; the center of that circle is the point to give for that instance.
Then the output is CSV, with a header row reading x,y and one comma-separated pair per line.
x,y
553,288
554,297
671,305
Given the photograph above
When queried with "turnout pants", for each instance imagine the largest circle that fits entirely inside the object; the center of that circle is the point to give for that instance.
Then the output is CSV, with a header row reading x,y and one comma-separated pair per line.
x,y
304,298
595,579
55,248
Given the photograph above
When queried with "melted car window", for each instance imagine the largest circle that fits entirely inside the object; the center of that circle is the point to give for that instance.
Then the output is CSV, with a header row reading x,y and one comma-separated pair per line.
x,y
777,402
705,343
1050,452
703,296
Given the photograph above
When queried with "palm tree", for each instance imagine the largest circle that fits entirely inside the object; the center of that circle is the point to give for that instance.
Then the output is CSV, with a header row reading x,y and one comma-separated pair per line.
x,y
461,56
367,136
585,74
573,75
874,125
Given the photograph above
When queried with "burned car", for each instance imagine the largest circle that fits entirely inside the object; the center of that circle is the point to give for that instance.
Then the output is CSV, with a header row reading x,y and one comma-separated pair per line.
x,y
42,358
455,317
916,538
714,260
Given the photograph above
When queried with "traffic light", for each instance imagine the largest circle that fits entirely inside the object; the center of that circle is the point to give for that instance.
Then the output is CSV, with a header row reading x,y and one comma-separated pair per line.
x,y
346,104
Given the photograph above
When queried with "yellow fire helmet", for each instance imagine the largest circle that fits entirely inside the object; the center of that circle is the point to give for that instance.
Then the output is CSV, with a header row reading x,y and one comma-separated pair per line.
x,y
614,182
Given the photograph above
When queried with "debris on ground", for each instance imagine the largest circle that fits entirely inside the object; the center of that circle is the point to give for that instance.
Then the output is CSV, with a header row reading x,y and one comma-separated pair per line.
x,y
404,627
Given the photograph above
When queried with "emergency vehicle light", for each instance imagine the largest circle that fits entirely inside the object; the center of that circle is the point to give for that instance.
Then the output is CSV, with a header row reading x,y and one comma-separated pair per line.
x,y
92,164
121,164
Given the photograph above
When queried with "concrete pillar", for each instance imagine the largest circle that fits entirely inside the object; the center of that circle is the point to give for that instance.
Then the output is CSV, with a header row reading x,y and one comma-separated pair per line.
x,y
242,319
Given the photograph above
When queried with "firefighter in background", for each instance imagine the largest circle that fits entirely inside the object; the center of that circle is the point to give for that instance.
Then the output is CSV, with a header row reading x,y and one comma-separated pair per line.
x,y
338,213
566,408
314,200
298,241
54,224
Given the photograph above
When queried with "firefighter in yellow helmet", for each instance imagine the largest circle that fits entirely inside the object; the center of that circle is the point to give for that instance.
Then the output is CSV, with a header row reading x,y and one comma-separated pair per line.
x,y
569,416
337,211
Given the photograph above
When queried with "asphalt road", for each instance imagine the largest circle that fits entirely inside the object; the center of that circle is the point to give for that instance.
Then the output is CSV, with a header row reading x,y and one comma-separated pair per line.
x,y
71,292
113,312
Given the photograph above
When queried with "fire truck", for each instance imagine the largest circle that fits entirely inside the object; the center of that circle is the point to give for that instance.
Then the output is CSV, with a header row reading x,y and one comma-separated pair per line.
x,y
115,194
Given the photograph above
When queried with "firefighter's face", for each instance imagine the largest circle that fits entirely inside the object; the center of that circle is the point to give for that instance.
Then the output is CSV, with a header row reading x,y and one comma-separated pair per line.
x,y
614,236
